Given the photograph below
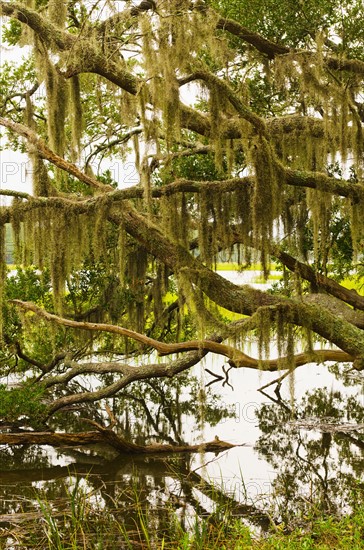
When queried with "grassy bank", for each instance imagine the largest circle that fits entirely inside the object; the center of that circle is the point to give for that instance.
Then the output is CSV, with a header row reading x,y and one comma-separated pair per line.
x,y
233,266
78,525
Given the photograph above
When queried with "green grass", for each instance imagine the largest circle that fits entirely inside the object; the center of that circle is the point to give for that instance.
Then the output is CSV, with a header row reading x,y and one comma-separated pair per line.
x,y
353,283
79,525
261,280
233,266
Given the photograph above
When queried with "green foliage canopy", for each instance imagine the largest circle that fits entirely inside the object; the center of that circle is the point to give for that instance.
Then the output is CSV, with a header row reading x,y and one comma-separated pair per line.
x,y
265,162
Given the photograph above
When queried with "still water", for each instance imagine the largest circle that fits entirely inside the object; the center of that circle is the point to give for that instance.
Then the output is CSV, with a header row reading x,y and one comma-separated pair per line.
x,y
298,442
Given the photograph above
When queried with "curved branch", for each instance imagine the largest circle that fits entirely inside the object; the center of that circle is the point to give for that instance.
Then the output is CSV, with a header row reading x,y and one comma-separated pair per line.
x,y
332,287
267,47
15,194
138,373
272,49
46,153
49,33
236,357
22,95
122,16
161,347
117,141
88,368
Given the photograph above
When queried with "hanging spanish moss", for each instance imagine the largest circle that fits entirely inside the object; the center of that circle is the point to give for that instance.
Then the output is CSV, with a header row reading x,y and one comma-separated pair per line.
x,y
16,225
40,180
344,123
176,218
357,229
145,180
204,234
284,337
264,327
57,12
75,116
3,270
100,233
320,205
195,300
265,199
57,97
137,264
122,253
222,211
216,106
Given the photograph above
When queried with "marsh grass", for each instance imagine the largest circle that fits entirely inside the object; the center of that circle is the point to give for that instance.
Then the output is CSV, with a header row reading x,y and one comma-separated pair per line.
x,y
79,524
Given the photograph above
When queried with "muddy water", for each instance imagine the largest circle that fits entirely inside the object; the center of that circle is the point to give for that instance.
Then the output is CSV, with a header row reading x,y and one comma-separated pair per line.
x,y
294,446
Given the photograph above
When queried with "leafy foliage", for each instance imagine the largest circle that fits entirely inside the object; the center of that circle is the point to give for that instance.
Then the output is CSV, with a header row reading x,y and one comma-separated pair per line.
x,y
265,161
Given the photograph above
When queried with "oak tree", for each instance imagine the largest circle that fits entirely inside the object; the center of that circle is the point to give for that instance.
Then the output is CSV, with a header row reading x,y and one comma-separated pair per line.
x,y
244,124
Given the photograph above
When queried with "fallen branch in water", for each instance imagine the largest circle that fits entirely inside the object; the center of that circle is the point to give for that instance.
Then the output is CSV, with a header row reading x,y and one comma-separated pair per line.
x,y
105,435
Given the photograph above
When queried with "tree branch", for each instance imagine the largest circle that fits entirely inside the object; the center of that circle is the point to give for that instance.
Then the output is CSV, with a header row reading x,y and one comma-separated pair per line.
x,y
138,373
16,194
122,16
46,153
49,33
332,287
244,111
105,435
272,49
161,347
267,47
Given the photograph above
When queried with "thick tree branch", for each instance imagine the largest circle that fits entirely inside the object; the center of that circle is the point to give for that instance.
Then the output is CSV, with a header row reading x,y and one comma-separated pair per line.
x,y
139,373
332,287
105,435
323,182
46,153
49,33
337,307
272,49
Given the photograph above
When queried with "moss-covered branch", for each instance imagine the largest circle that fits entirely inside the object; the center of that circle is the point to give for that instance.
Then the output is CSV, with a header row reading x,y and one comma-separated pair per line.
x,y
272,49
49,33
325,283
44,152
161,347
242,109
105,435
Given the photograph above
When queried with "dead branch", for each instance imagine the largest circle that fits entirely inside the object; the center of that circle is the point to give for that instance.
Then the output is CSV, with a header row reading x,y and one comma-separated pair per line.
x,y
105,435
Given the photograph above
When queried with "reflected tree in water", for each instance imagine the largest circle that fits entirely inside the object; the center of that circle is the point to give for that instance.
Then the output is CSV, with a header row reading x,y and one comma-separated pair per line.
x,y
316,445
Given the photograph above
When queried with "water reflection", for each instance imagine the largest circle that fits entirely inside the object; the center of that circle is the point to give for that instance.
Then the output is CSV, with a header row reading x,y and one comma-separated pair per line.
x,y
314,444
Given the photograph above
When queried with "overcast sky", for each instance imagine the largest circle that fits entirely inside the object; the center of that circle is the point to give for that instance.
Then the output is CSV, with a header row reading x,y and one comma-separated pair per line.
x,y
14,166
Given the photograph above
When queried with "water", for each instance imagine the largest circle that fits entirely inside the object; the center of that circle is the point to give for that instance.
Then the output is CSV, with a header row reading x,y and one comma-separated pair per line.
x,y
291,451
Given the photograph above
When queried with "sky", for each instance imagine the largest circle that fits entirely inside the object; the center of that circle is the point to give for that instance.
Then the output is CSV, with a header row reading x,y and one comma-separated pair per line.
x,y
14,166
